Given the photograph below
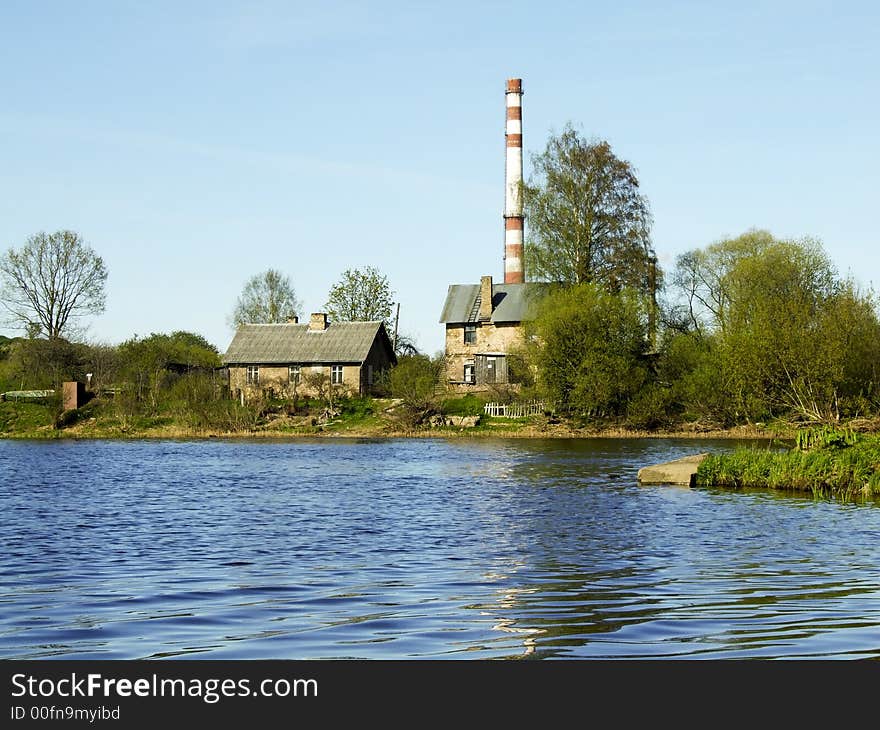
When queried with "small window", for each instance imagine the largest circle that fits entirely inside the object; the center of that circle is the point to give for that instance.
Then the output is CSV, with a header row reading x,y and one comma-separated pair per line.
x,y
469,372
294,373
470,334
253,374
369,374
336,375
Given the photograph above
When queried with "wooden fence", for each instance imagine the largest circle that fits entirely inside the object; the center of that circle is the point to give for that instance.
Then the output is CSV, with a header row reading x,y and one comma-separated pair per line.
x,y
515,410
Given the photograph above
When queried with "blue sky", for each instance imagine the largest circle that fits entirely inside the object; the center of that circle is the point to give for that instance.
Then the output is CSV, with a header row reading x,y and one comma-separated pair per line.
x,y
195,144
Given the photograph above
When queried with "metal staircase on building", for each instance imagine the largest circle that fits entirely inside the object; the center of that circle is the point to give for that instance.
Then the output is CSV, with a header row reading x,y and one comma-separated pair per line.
x,y
474,316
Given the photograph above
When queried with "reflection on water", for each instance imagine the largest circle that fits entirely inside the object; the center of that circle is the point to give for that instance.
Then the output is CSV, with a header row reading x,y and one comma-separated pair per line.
x,y
424,548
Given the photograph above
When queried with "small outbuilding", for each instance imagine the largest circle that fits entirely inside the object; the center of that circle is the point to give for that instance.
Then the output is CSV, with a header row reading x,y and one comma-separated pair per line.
x,y
292,358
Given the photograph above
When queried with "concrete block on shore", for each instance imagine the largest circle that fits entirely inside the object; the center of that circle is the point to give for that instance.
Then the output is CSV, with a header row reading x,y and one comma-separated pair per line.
x,y
680,471
73,395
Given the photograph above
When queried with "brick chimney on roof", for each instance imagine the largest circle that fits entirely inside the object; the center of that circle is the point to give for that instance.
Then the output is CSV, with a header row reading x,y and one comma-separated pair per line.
x,y
486,297
318,322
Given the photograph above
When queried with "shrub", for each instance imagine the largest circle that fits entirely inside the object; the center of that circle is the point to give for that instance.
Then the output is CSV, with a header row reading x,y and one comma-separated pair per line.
x,y
415,380
590,362
467,405
650,407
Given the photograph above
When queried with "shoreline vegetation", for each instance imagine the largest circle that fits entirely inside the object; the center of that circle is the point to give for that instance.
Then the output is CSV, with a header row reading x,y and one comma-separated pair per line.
x,y
354,418
836,461
761,341
827,461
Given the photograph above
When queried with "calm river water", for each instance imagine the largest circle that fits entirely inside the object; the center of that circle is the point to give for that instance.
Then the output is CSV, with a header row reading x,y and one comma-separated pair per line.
x,y
417,548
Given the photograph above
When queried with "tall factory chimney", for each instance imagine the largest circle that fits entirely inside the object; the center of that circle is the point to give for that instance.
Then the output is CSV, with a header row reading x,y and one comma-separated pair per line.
x,y
513,177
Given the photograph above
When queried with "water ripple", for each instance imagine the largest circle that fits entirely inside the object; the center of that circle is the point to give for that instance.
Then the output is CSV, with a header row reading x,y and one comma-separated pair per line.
x,y
428,549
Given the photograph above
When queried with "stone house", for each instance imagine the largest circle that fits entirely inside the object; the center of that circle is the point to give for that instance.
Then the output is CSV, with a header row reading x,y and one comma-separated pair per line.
x,y
281,359
484,324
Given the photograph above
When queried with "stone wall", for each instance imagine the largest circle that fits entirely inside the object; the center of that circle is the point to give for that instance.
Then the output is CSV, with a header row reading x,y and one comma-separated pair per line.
x,y
501,338
276,379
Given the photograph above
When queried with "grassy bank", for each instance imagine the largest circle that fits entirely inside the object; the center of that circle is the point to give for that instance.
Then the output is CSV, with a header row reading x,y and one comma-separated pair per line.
x,y
353,417
829,462
838,462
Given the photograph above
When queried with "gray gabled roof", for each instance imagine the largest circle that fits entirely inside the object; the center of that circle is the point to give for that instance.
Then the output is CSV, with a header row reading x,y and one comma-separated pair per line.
x,y
342,342
510,302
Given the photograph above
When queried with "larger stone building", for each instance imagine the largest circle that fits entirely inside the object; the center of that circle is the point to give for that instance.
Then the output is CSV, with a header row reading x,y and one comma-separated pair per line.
x,y
484,326
484,322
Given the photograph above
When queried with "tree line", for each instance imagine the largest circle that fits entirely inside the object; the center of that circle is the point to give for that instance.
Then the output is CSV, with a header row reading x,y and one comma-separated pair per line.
x,y
746,329
742,330
53,281
752,328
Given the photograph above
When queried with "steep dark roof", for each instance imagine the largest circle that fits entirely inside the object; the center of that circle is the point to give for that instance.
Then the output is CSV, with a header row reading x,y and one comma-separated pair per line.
x,y
343,342
510,302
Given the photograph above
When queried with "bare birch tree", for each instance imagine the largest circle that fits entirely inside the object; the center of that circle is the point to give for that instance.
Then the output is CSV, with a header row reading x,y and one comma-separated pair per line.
x,y
53,280
267,298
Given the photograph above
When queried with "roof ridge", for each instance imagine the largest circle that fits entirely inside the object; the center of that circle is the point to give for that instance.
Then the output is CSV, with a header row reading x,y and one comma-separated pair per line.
x,y
306,324
274,342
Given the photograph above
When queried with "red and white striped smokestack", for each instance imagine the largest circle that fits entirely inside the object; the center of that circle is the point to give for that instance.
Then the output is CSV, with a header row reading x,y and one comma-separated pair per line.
x,y
514,272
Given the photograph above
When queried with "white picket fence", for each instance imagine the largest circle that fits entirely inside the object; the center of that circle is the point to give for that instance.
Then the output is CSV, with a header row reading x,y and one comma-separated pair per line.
x,y
515,410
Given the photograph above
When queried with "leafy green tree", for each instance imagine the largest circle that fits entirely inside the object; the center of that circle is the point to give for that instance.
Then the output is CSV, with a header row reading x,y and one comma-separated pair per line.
x,y
852,317
781,326
361,295
719,281
146,364
416,381
588,345
34,364
267,298
51,282
587,219
690,369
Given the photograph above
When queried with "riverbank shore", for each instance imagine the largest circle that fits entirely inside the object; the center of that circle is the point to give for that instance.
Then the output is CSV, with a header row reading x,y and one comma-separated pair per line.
x,y
838,461
175,432
379,419
96,421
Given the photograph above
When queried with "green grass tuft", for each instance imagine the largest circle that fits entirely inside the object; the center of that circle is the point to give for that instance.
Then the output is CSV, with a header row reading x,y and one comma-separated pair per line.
x,y
847,467
466,405
23,417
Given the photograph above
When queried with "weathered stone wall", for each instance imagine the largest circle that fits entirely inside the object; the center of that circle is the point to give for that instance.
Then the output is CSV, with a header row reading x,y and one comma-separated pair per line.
x,y
277,380
486,389
490,338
